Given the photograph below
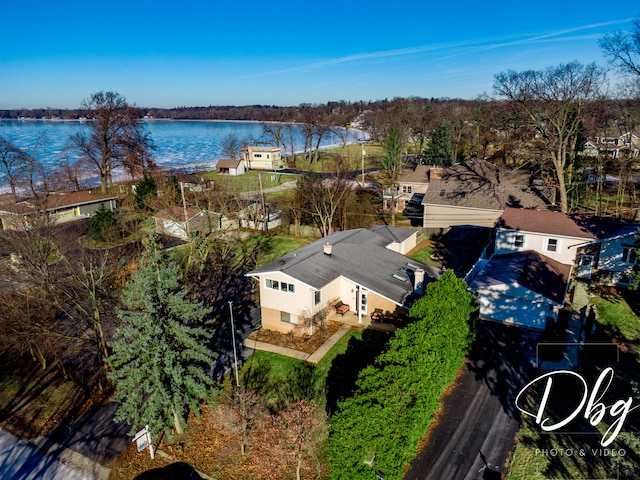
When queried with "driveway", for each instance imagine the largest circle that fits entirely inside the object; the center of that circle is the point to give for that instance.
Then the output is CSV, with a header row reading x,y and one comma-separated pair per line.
x,y
19,461
474,432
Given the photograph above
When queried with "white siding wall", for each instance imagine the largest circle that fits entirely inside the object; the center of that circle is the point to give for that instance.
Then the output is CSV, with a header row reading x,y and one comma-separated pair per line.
x,y
611,251
296,303
538,242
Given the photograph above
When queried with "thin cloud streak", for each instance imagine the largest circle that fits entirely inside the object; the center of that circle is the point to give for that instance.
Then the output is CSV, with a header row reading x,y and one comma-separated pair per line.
x,y
464,48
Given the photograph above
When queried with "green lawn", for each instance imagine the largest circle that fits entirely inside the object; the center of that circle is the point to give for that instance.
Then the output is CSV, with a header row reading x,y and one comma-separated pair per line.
x,y
250,181
279,246
280,375
616,313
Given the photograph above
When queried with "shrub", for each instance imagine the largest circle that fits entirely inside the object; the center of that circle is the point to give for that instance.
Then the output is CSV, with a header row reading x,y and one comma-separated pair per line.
x,y
396,398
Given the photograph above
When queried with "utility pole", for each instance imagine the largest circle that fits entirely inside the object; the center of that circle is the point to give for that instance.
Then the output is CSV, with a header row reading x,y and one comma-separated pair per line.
x,y
265,225
363,154
233,341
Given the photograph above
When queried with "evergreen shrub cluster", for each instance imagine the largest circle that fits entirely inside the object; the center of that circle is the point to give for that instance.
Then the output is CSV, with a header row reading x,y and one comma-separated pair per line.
x,y
396,397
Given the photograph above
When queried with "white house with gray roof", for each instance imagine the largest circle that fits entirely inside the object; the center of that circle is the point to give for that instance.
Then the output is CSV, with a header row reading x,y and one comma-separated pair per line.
x,y
361,268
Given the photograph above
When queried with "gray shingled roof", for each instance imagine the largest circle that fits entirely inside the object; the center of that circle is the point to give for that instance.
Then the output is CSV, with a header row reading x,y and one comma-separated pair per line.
x,y
529,269
359,255
481,184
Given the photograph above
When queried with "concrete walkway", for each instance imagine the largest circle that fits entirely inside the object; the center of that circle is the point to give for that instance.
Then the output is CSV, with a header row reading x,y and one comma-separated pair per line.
x,y
573,332
315,357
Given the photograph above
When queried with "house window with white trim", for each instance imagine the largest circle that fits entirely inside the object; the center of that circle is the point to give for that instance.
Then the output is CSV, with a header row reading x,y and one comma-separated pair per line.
x,y
287,317
282,286
552,245
317,297
406,189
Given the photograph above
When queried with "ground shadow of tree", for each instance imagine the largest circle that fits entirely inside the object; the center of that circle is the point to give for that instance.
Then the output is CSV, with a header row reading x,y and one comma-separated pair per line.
x,y
342,376
502,357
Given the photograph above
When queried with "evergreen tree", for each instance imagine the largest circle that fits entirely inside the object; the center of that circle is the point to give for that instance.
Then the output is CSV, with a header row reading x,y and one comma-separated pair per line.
x,y
392,164
104,225
161,359
440,150
146,190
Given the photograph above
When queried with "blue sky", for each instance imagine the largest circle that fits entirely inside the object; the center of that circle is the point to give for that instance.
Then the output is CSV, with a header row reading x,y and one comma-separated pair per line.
x,y
234,52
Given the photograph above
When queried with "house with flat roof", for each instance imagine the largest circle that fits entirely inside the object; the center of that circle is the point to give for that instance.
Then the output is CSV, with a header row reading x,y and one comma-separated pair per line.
x,y
357,270
260,157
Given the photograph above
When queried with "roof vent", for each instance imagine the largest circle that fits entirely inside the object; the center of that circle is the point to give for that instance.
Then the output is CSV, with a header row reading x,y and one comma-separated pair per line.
x,y
327,248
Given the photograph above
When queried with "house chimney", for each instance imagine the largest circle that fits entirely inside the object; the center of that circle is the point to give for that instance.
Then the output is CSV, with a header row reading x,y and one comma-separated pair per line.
x,y
418,280
435,173
326,248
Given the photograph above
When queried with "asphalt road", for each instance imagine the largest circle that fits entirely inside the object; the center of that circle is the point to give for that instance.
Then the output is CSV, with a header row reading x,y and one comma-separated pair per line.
x,y
474,432
19,461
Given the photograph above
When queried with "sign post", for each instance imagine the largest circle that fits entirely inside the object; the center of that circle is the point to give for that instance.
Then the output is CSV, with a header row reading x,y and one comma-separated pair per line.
x,y
143,440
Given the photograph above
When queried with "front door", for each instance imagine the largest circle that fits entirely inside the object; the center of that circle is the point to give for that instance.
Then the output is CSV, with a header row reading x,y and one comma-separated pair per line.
x,y
363,301
585,267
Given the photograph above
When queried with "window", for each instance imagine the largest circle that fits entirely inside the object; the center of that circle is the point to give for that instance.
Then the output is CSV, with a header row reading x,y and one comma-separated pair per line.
x,y
552,245
257,155
406,189
442,193
282,286
629,255
289,318
518,241
317,297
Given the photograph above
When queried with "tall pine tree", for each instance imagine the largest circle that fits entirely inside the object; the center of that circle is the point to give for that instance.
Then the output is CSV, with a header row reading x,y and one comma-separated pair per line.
x,y
440,149
161,359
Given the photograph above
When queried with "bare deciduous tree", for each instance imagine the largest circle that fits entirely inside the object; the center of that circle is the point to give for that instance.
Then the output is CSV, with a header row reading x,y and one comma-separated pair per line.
x,y
12,160
116,137
553,102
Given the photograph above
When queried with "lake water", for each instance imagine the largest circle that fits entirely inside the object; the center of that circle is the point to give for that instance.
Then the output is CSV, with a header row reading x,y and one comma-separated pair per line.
x,y
180,143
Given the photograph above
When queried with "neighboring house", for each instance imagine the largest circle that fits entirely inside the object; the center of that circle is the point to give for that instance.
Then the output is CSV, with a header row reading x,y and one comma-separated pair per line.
x,y
611,257
626,145
253,217
194,183
476,193
230,167
411,187
356,267
554,234
262,158
61,207
523,288
172,222
535,252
